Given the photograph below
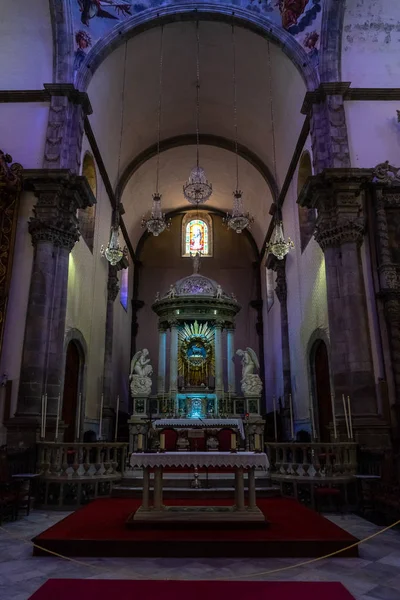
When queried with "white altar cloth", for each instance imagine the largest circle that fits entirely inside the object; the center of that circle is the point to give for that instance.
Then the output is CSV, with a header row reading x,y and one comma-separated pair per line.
x,y
200,424
246,460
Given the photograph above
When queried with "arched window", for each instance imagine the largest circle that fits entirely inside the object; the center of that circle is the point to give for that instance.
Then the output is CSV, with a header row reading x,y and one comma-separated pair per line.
x,y
124,288
307,216
197,234
86,217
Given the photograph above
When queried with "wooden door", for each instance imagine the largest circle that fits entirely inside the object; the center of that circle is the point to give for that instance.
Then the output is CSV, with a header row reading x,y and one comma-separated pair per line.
x,y
70,397
322,390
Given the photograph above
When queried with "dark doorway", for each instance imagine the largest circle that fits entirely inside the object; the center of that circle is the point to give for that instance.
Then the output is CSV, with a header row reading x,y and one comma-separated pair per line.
x,y
320,370
70,397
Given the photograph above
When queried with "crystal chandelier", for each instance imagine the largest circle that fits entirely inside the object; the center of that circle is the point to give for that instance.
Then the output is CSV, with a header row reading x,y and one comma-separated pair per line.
x,y
197,190
157,222
238,220
113,252
279,247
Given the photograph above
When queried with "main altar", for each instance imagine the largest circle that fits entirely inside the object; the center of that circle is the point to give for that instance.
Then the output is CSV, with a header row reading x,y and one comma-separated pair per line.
x,y
196,406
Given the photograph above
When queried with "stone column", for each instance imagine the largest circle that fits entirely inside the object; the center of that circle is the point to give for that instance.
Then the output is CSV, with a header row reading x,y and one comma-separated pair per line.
x,y
230,353
162,351
54,231
338,197
279,266
219,378
112,293
173,361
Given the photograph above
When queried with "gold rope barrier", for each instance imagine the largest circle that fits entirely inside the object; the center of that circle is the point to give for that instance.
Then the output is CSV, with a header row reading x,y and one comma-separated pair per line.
x,y
270,572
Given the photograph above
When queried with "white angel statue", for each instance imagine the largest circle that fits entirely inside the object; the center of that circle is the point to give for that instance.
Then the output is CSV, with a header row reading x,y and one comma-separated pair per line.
x,y
251,382
141,370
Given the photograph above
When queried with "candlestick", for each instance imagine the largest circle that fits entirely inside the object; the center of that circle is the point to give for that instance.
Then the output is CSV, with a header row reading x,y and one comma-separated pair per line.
x,y
78,421
162,441
42,418
116,419
334,416
345,416
101,415
58,416
291,416
233,442
349,416
257,444
314,433
275,424
140,442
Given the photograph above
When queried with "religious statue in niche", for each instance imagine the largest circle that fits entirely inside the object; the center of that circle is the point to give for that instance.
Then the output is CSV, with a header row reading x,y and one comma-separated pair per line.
x,y
140,376
196,354
171,291
251,382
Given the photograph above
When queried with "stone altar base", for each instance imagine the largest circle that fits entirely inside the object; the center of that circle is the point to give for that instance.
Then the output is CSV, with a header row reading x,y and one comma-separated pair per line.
x,y
197,517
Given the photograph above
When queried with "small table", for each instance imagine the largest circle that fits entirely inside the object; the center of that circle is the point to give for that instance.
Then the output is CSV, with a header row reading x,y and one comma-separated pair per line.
x,y
237,513
27,477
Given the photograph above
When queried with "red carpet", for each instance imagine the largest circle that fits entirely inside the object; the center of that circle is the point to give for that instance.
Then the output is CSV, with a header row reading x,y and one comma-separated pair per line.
x,y
85,589
98,529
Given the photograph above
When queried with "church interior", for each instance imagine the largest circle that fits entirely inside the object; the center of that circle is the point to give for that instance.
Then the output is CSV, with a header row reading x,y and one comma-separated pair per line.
x,y
200,299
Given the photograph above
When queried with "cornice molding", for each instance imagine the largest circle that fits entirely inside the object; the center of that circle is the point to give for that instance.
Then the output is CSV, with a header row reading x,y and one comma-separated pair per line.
x,y
345,91
50,90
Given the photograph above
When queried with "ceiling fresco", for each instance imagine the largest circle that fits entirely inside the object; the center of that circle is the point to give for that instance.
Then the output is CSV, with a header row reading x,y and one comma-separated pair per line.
x,y
92,19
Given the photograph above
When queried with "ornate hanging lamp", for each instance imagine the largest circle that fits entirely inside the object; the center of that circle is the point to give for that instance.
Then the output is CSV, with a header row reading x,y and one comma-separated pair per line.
x,y
197,190
279,247
239,220
113,251
157,222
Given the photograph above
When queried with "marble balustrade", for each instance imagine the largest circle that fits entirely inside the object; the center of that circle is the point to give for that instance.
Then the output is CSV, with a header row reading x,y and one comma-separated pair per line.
x,y
312,459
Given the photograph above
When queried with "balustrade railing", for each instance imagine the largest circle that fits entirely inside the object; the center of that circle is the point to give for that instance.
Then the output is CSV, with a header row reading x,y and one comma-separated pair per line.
x,y
81,460
316,459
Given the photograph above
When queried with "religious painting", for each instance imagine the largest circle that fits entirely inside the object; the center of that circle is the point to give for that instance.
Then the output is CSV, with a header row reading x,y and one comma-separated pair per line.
x,y
196,235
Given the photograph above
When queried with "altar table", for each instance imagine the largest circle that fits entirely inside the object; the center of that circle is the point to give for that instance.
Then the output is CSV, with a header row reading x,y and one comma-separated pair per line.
x,y
240,461
185,423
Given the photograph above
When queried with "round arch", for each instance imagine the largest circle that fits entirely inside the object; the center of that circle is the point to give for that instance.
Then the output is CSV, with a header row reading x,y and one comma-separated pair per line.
x,y
74,336
148,19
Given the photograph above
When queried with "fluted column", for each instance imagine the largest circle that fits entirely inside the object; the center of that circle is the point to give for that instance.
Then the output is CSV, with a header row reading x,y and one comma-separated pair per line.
x,y
54,231
338,197
162,350
219,377
173,359
230,353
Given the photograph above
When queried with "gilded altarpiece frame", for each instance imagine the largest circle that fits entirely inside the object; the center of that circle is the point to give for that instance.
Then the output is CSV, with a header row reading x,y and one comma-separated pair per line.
x,y
10,189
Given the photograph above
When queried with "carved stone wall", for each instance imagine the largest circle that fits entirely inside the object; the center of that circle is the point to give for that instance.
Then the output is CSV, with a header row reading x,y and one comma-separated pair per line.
x,y
10,187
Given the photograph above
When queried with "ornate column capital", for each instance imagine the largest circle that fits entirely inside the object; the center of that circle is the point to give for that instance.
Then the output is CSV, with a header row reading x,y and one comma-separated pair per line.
x,y
173,323
59,195
219,323
338,196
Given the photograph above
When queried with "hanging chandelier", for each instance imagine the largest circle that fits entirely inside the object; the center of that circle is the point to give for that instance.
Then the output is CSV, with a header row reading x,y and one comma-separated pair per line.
x,y
238,220
113,252
197,190
279,247
157,222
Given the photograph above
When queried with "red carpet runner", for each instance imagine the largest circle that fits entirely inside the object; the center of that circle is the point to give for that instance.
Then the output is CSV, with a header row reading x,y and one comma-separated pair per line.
x,y
85,589
99,529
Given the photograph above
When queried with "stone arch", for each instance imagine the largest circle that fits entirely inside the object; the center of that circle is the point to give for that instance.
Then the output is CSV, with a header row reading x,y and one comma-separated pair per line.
x,y
167,14
307,216
87,216
61,16
331,40
318,337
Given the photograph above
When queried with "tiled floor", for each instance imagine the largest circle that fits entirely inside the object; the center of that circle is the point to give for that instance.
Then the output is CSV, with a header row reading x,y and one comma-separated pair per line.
x,y
373,576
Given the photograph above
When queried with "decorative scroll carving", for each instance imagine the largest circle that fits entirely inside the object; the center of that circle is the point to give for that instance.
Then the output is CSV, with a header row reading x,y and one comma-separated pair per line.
x,y
196,284
386,174
10,187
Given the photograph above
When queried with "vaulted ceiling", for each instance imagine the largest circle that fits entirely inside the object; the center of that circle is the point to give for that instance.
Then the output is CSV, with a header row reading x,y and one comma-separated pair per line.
x,y
124,95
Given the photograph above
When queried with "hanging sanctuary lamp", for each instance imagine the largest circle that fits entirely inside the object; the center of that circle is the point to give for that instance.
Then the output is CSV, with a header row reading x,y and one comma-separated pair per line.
x,y
113,252
157,222
238,220
197,190
279,247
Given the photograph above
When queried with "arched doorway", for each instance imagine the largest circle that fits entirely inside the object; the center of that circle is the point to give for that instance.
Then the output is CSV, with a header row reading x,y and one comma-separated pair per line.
x,y
322,389
71,391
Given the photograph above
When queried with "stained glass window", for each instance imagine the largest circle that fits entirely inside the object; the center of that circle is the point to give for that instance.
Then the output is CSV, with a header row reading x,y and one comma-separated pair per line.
x,y
197,235
124,288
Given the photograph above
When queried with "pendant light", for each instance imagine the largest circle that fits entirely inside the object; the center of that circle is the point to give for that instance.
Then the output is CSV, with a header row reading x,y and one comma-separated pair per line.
x,y
157,222
197,190
279,247
113,252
